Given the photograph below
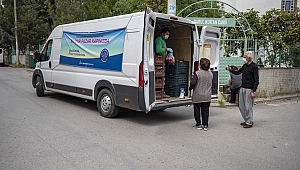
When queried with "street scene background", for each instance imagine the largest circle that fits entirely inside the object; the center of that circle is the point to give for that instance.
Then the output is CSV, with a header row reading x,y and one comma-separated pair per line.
x,y
63,132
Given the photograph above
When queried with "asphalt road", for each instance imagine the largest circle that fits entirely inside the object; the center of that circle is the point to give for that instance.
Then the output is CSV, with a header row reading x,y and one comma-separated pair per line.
x,y
64,132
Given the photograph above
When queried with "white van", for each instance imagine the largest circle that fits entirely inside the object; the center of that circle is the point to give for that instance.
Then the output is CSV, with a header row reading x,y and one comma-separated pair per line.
x,y
2,57
112,61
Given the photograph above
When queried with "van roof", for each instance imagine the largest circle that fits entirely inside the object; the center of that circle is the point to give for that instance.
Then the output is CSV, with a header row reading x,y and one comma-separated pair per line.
x,y
102,19
163,19
174,18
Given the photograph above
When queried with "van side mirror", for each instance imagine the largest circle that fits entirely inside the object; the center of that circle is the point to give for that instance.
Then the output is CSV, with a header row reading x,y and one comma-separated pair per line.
x,y
37,56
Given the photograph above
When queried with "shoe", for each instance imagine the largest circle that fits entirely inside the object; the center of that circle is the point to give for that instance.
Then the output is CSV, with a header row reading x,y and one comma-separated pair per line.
x,y
247,126
243,124
205,128
199,127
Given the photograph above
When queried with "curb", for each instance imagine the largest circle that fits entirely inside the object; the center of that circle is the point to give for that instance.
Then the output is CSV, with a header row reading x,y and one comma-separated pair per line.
x,y
258,100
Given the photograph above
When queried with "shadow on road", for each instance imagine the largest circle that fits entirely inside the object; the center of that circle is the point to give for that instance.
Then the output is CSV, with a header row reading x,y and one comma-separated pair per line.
x,y
155,117
150,119
91,105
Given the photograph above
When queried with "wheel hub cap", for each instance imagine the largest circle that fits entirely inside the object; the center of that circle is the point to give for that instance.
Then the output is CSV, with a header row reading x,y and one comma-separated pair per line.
x,y
106,103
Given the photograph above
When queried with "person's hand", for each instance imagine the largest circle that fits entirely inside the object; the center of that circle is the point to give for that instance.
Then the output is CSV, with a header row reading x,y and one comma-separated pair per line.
x,y
252,95
227,67
170,50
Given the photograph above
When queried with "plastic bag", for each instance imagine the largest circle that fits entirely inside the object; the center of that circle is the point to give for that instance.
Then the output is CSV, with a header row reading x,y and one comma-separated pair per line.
x,y
170,58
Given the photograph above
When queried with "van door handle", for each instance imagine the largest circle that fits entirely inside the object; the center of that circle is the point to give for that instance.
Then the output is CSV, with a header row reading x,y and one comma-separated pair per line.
x,y
49,64
146,82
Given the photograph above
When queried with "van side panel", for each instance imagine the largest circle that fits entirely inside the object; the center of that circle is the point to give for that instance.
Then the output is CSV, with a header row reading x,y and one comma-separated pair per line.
x,y
123,84
87,82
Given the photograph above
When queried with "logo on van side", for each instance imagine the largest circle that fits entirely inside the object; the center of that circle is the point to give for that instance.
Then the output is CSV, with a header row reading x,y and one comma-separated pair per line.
x,y
104,54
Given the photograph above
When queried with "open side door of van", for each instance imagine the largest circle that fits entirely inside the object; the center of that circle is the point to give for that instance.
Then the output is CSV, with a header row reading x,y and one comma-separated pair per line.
x,y
210,46
148,59
45,62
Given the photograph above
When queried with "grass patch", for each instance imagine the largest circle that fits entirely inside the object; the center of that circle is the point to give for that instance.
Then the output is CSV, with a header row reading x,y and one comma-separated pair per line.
x,y
221,103
221,99
18,66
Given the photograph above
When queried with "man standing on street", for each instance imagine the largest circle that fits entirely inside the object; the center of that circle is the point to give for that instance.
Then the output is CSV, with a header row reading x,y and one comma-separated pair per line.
x,y
250,81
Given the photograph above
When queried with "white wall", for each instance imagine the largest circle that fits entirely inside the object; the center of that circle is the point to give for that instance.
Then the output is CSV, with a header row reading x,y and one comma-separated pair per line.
x,y
22,59
258,5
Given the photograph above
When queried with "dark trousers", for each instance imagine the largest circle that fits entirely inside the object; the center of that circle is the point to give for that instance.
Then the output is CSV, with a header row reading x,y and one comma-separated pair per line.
x,y
233,93
202,108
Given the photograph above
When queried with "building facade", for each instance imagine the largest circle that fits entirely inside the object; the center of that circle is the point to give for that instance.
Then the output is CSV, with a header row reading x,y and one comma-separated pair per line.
x,y
261,5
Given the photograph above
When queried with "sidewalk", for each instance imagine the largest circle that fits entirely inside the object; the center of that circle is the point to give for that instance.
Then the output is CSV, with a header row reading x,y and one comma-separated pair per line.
x,y
215,103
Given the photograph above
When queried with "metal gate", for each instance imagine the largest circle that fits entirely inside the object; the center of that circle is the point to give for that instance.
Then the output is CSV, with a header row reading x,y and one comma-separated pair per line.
x,y
231,46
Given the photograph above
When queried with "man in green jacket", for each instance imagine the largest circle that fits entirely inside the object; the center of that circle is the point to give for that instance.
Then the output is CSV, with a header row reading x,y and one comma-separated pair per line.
x,y
160,43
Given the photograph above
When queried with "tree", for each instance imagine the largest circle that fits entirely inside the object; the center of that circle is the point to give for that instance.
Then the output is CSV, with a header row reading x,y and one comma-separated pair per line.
x,y
4,40
292,38
157,5
247,29
128,6
43,8
95,9
7,23
277,31
281,36
31,31
66,11
199,9
32,28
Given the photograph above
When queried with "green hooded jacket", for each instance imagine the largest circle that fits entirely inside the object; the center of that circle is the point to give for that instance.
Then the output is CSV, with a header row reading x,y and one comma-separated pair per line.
x,y
160,46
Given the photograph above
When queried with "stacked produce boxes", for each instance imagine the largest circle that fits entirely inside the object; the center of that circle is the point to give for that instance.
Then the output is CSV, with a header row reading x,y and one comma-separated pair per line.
x,y
176,78
159,63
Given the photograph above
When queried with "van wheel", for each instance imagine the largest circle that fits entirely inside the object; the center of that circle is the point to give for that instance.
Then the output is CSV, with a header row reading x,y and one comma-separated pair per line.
x,y
39,87
106,104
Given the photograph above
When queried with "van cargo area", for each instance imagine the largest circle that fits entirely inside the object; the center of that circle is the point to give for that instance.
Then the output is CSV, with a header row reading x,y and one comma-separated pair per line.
x,y
171,78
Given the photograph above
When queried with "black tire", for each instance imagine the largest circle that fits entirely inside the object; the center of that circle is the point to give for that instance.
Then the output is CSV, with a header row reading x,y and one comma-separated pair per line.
x,y
106,104
39,87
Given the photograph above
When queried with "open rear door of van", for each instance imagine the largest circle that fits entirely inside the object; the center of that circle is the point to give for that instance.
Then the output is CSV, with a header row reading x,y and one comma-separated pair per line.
x,y
210,46
148,59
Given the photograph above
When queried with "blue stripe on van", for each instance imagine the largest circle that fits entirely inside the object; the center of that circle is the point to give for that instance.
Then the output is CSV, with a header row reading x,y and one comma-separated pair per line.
x,y
111,63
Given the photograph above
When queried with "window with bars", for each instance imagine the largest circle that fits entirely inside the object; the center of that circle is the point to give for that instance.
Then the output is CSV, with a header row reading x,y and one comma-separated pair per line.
x,y
288,5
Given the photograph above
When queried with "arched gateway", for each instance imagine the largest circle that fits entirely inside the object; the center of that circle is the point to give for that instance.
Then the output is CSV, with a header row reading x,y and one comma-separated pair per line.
x,y
236,19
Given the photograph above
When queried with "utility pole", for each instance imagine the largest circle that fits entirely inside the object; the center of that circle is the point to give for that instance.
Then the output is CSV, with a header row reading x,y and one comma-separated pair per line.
x,y
16,33
172,7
